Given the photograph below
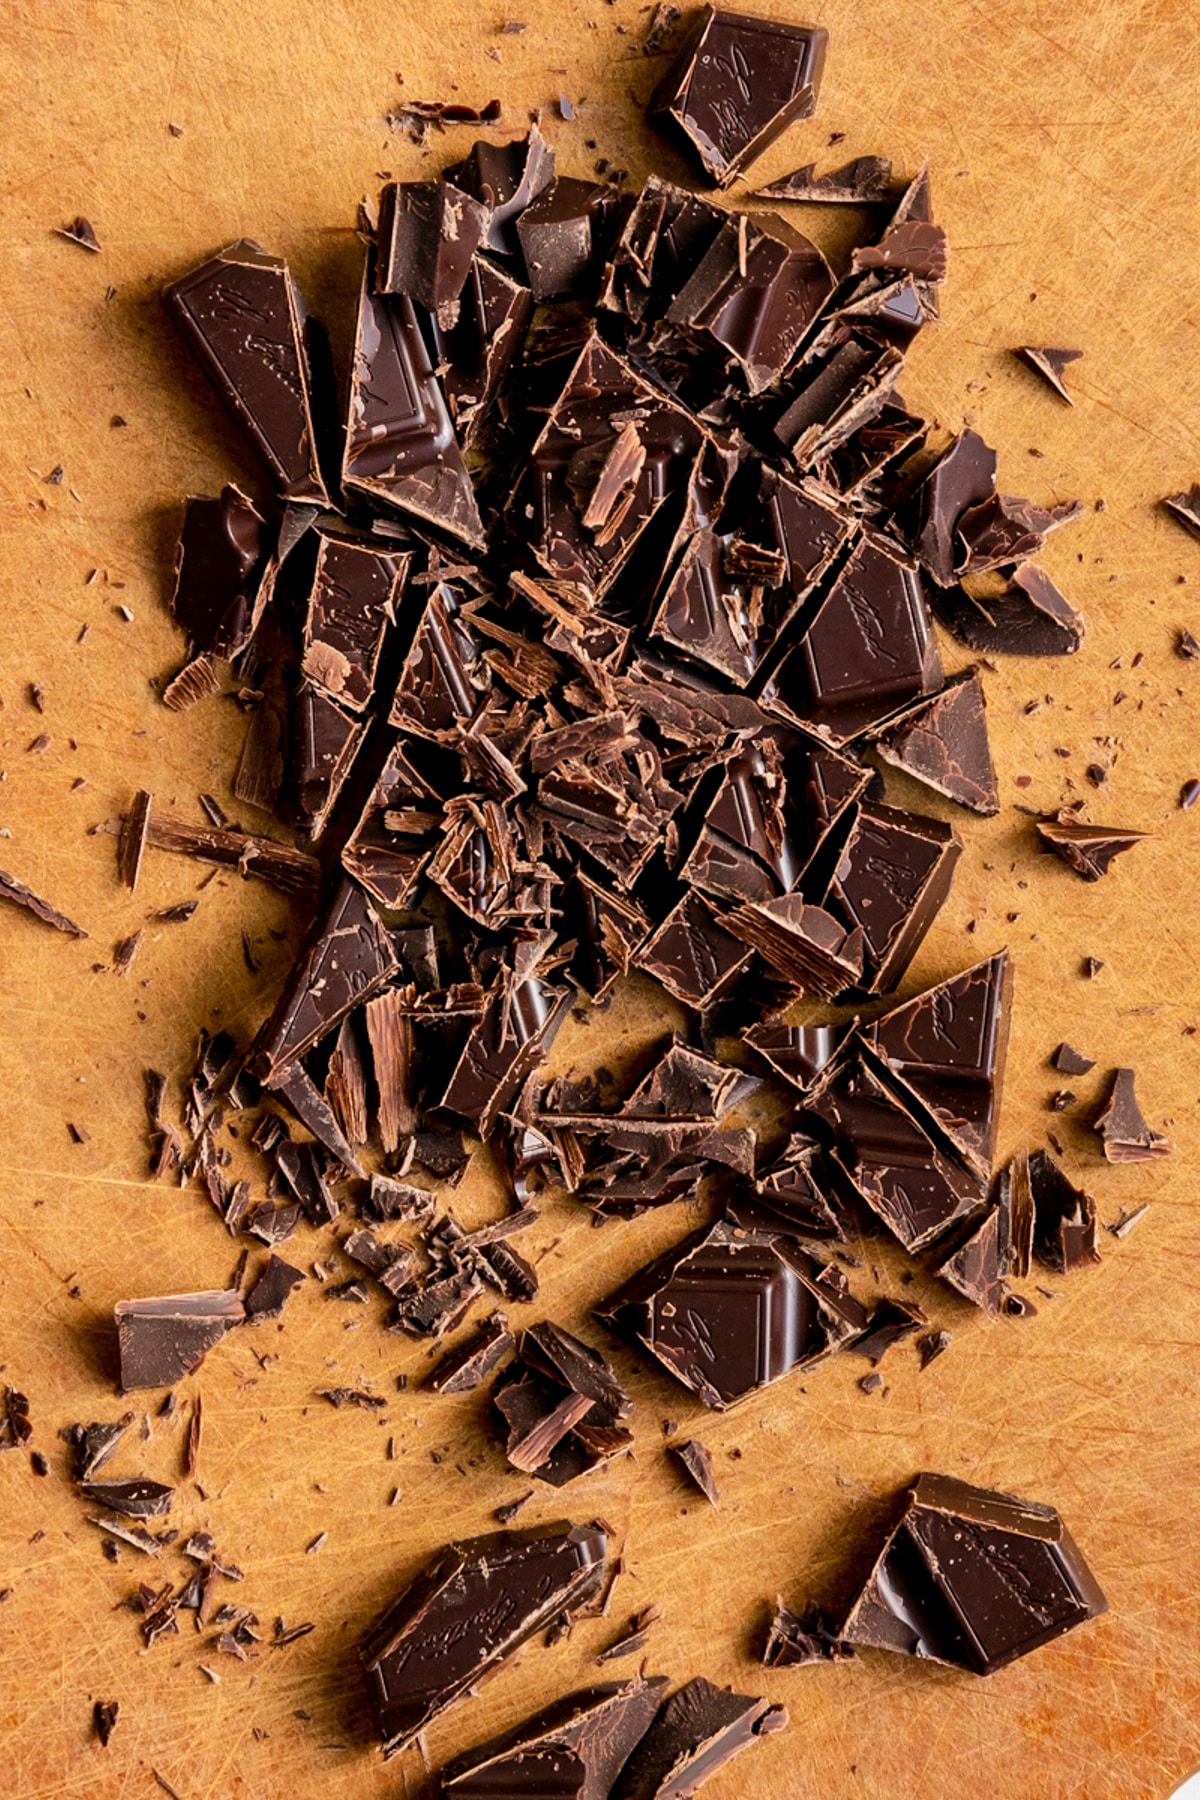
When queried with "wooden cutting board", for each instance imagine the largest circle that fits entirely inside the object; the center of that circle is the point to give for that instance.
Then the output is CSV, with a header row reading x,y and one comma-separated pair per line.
x,y
1063,145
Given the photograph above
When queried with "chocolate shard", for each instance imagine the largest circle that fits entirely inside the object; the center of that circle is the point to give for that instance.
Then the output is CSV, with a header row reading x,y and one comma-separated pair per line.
x,y
797,1203
1185,509
868,650
516,1030
1123,1131
1049,364
104,1719
271,1289
356,591
505,178
15,1426
796,1052
401,450
428,234
135,1499
862,181
978,1266
131,844
693,954
891,1322
1064,1217
700,1729
1003,530
915,247
93,1445
325,741
609,929
467,1613
904,1173
795,1641
348,957
468,1367
295,1087
973,1578
20,895
562,236
390,1264
476,357
1088,850
753,295
736,85
695,1459
812,950
282,867
729,1310
948,1048
164,1338
963,477
944,743
218,572
441,679
684,1084
560,1406
891,882
242,318
840,393
1017,613
1069,1061
574,1750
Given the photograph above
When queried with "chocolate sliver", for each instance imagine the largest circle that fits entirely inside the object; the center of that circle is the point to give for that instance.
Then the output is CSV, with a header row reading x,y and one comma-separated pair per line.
x,y
1123,1130
1050,364
864,180
700,1729
1088,850
164,1338
944,743
574,1750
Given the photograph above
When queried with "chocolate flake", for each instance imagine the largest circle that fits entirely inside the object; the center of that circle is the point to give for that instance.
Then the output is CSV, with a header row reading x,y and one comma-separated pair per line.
x,y
1124,1132
696,1461
20,895
700,1729
1088,850
1050,364
104,1719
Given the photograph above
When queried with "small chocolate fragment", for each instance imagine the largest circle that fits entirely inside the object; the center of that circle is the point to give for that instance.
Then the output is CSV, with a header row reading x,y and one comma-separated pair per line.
x,y
1086,849
736,85
633,1638
390,1264
809,947
933,1345
797,1052
856,183
94,1445
696,1461
1015,1198
219,591
893,878
505,178
1069,1061
356,591
964,476
700,1729
1122,1129
348,957
944,743
132,842
1064,1217
104,1719
891,1322
1020,613
1002,531
974,1579
471,1609
136,1499
80,231
428,234
978,1266
20,895
164,1338
15,1428
1049,364
794,1642
517,1028
574,1750
338,1397
475,357
271,1289
1185,507
468,1367
560,1405
242,318
291,871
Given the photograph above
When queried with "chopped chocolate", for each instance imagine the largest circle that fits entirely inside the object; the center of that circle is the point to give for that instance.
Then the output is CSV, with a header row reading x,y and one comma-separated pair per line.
x,y
633,1638
1064,1217
696,1461
132,841
973,1578
79,231
428,234
20,895
242,318
516,1030
345,1396
890,1322
468,1367
735,86
811,949
933,1345
390,1264
1185,507
693,954
797,1052
944,743
476,357
857,183
794,1642
15,1428
219,587
1088,850
1049,364
505,178
291,871
978,1266
562,235
1016,613
136,1499
574,1750
165,1338
1122,1129
700,1729
559,1407
1002,531
94,1445
271,1289
356,592
1069,1061
893,878
441,1304
104,1719
963,477
348,957
468,1612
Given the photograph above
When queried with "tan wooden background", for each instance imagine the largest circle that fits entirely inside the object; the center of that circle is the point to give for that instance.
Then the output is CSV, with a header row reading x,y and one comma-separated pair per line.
x,y
1063,140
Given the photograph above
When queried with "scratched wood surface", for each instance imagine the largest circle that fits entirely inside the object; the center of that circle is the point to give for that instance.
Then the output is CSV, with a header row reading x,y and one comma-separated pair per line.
x,y
1063,140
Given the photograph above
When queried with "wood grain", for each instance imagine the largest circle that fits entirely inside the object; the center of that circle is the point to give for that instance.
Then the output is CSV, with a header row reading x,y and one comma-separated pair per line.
x,y
1062,139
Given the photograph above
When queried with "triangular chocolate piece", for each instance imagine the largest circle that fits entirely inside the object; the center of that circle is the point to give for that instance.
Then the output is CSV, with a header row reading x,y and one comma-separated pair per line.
x,y
963,477
1064,1217
1049,364
797,1052
948,1046
892,879
325,741
807,945
1087,849
574,1750
442,677
977,1267
1125,1134
944,743
1017,613
1185,507
700,1729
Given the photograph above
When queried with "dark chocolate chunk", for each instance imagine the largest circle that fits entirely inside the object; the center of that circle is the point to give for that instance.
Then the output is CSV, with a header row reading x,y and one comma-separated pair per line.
x,y
796,1202
390,1264
944,743
794,1642
914,247
242,318
633,1638
356,590
1002,531
933,1345
856,183
1064,1217
1088,850
562,235
468,1367
1124,1132
164,1338
469,1611
693,954
131,845
1069,1061
325,741
428,234
282,867
505,178
890,1322
973,1578
1020,613
80,231
1015,1196
736,85
1049,364
516,1030
700,1729
348,957
729,1310
1185,508
963,477
20,895
271,1289
94,1445
797,1052
104,1719
891,881
574,1750
948,1046
477,355
696,1461
219,591
841,392
561,1406
135,1499
812,950
401,450
15,1428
